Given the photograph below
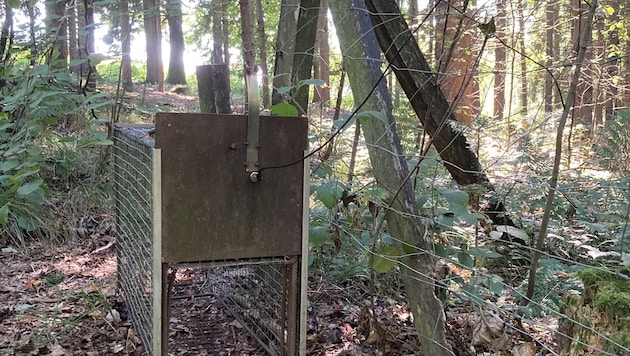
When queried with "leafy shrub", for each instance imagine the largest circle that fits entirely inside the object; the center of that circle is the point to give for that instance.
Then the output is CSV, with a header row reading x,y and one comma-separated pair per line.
x,y
37,99
554,280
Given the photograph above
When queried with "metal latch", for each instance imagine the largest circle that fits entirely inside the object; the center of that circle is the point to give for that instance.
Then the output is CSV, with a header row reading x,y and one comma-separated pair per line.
x,y
253,125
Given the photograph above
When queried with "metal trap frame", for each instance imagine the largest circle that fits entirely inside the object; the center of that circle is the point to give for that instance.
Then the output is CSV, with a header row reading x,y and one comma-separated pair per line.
x,y
186,200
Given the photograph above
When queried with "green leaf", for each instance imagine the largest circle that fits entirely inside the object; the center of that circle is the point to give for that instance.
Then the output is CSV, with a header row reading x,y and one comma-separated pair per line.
x,y
284,109
345,117
464,258
30,187
27,223
330,193
40,69
318,235
495,284
440,250
513,231
317,82
4,214
458,204
385,258
364,115
284,90
76,62
9,165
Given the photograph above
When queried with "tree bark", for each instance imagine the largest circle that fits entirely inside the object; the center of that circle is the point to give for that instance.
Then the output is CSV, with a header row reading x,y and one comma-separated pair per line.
x,y
125,36
419,83
176,71
304,51
73,36
362,59
455,58
217,32
322,93
549,32
523,59
285,47
247,36
153,35
56,26
6,37
262,51
499,63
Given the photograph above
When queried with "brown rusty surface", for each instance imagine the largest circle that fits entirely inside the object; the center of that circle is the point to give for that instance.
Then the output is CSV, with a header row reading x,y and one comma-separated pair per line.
x,y
210,209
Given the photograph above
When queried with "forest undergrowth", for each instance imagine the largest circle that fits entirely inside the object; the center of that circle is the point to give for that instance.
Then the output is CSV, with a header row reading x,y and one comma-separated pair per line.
x,y
60,296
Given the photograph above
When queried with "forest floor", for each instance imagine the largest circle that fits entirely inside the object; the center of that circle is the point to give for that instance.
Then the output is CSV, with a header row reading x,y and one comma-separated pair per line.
x,y
62,299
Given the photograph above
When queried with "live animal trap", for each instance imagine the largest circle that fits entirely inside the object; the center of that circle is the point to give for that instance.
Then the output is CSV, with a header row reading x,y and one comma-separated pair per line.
x,y
190,200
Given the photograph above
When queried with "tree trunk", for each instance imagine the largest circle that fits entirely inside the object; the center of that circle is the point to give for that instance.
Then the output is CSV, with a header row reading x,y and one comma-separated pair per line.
x,y
56,26
176,71
247,37
549,48
285,47
153,35
73,36
262,50
362,59
499,63
304,51
523,59
217,32
582,44
213,88
322,93
455,57
419,83
125,35
6,37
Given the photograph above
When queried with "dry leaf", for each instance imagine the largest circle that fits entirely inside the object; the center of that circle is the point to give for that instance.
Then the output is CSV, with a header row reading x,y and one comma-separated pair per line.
x,y
33,283
524,349
56,350
487,330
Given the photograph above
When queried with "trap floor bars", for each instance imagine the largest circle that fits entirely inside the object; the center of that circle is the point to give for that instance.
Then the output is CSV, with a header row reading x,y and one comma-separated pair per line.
x,y
207,212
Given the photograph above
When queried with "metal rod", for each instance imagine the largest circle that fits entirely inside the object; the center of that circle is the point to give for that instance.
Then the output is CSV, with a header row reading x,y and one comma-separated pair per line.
x,y
253,121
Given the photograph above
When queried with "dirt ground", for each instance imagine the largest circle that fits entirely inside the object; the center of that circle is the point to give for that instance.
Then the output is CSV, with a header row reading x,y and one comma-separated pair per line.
x,y
62,299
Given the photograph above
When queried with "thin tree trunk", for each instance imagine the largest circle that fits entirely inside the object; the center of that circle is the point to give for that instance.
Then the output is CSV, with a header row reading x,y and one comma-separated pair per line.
x,y
322,93
262,50
419,83
73,36
523,59
549,32
304,51
176,71
6,37
455,58
362,60
583,44
125,34
247,36
285,47
153,34
217,33
499,63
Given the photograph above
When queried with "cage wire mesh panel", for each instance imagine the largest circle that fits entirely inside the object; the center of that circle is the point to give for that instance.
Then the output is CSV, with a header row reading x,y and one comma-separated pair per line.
x,y
242,242
132,159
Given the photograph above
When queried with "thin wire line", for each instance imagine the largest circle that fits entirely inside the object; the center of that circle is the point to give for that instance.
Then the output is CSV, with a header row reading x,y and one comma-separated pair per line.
x,y
384,73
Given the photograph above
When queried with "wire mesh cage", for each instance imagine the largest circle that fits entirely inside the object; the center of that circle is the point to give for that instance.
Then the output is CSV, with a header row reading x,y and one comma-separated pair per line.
x,y
191,230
